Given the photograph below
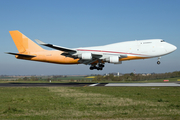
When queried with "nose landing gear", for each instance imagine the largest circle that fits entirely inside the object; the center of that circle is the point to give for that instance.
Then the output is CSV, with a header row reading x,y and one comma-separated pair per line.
x,y
158,62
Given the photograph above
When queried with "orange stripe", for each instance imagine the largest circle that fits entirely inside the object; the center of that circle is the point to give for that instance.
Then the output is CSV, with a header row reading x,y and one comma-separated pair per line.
x,y
132,58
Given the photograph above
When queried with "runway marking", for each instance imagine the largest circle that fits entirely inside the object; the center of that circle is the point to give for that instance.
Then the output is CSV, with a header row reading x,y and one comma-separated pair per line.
x,y
94,84
144,84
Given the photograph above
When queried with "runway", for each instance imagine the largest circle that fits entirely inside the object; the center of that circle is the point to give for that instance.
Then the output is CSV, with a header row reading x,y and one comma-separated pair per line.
x,y
43,84
144,84
89,84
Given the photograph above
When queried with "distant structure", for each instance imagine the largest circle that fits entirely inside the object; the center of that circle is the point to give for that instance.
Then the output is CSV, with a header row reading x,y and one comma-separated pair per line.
x,y
145,74
115,74
134,71
118,74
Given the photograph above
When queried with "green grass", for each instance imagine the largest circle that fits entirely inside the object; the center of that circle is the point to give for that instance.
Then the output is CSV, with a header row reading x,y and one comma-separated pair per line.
x,y
81,79
48,103
46,80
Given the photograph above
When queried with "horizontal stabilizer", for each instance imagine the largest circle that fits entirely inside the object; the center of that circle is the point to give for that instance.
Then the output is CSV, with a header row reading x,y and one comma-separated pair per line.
x,y
23,55
55,47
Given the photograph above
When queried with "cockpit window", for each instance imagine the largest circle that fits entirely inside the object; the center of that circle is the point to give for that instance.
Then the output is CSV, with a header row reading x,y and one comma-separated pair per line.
x,y
162,41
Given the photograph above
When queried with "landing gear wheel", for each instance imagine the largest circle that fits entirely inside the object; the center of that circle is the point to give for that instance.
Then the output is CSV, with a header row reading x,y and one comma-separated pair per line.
x,y
101,65
98,67
91,68
158,62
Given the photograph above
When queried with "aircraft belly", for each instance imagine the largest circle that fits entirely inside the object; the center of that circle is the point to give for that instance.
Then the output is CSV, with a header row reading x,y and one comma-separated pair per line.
x,y
56,57
51,57
132,58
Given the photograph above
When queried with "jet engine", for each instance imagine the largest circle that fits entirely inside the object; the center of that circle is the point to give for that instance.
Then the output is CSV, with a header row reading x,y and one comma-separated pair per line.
x,y
86,56
113,59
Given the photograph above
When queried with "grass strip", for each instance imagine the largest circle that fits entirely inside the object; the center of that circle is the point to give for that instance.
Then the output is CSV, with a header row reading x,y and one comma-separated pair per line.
x,y
137,103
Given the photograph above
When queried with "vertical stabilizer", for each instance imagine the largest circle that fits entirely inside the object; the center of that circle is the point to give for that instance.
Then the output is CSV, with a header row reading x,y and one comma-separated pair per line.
x,y
23,43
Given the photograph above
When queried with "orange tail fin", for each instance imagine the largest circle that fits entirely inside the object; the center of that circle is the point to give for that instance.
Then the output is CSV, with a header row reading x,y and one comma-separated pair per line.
x,y
23,43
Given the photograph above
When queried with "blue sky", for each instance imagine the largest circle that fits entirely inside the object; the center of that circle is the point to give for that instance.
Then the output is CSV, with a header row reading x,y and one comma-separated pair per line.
x,y
81,23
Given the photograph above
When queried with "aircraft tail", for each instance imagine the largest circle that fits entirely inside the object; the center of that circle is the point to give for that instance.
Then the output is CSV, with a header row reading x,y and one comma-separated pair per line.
x,y
23,43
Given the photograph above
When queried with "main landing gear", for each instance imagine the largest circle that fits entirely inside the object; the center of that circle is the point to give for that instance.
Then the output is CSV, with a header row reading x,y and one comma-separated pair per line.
x,y
98,67
158,62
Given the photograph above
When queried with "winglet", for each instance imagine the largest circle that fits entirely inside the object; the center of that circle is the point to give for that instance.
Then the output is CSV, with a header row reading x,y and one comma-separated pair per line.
x,y
40,42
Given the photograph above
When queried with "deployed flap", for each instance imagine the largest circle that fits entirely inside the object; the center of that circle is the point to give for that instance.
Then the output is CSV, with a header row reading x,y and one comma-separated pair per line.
x,y
23,55
56,47
86,62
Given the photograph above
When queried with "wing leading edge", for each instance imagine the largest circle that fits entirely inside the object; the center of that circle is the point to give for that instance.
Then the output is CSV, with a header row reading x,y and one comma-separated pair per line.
x,y
56,47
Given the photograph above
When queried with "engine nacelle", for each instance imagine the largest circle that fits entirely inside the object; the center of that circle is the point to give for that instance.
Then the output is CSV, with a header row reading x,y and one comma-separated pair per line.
x,y
86,56
114,59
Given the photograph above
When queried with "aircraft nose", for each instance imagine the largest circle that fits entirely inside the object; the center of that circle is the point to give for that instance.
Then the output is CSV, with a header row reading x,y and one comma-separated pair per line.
x,y
171,48
174,48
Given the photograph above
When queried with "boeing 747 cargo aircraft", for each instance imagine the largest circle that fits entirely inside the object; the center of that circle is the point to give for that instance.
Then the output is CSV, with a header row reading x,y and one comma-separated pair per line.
x,y
95,56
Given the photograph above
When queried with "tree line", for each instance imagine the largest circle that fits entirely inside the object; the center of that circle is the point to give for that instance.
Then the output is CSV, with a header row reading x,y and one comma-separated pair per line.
x,y
137,77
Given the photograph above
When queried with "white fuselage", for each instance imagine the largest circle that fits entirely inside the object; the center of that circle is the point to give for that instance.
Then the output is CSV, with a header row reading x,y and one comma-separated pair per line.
x,y
141,48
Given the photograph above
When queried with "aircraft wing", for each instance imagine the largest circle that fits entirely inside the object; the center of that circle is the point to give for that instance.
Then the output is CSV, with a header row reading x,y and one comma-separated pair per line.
x,y
69,52
56,47
73,53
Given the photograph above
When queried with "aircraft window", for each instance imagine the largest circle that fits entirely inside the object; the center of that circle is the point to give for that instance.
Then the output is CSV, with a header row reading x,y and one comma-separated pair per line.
x,y
162,41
